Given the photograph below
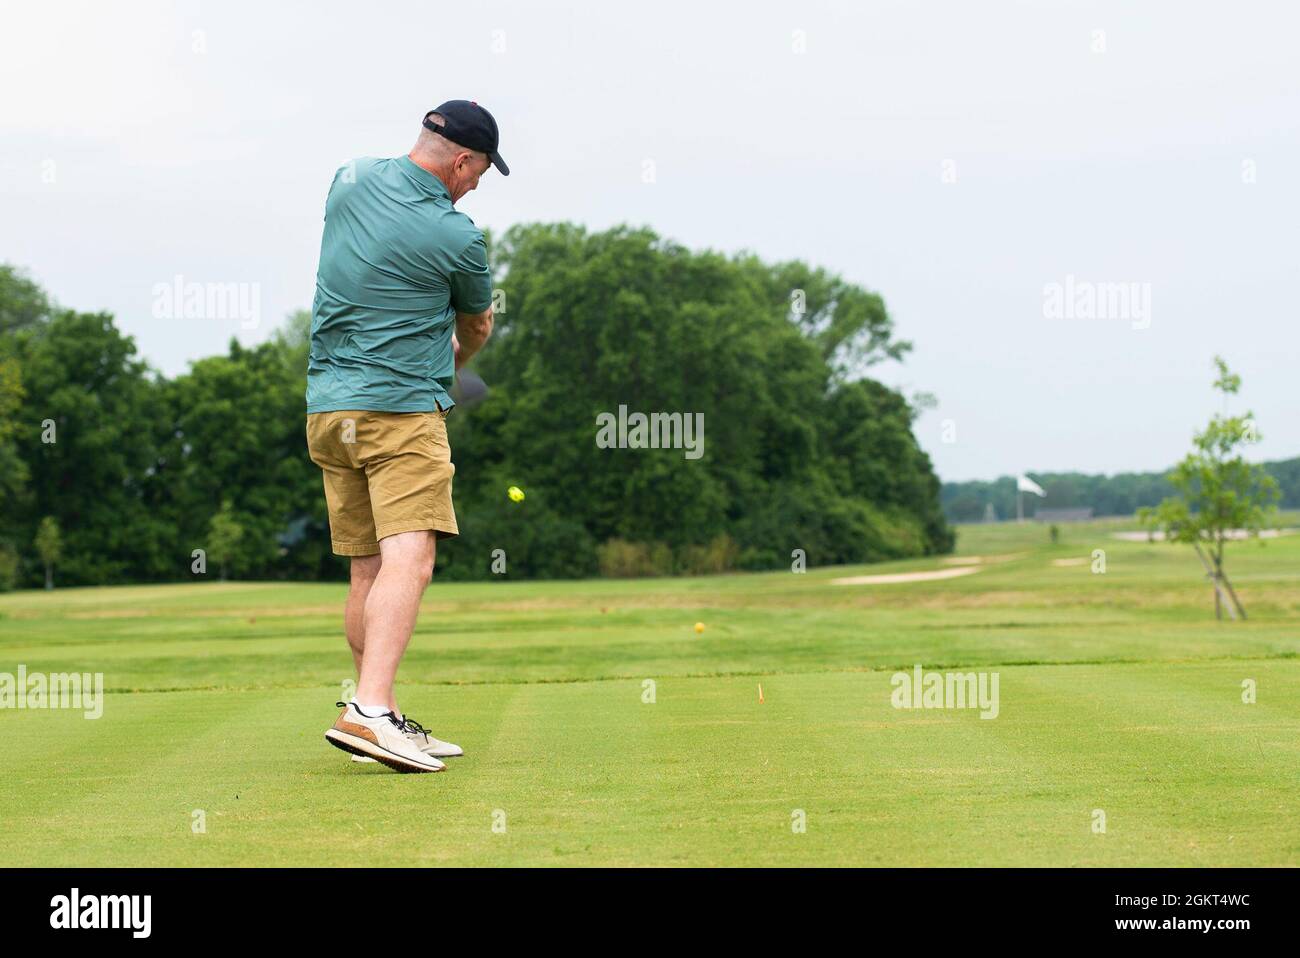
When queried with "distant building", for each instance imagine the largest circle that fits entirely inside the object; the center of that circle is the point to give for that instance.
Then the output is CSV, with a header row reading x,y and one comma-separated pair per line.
x,y
1063,515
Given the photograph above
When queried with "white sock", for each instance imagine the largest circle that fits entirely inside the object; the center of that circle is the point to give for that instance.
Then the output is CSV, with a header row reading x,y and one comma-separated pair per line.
x,y
370,711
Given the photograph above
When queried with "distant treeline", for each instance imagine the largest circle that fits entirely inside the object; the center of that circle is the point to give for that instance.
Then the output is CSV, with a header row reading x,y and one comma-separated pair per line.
x,y
130,472
1118,495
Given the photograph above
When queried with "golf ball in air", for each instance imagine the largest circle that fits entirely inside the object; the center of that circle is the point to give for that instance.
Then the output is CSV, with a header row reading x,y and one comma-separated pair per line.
x,y
515,493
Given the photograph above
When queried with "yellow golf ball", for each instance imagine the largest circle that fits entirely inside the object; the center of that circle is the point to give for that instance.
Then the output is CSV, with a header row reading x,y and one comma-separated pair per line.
x,y
515,493
699,627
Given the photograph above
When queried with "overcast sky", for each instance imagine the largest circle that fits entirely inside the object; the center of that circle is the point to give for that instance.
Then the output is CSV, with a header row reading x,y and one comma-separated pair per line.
x,y
958,158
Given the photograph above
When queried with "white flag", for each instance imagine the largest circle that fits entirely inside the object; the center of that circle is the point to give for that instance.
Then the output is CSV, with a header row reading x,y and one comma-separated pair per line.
x,y
1025,484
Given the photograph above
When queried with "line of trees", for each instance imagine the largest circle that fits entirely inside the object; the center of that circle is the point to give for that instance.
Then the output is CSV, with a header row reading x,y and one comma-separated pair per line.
x,y
147,478
1119,495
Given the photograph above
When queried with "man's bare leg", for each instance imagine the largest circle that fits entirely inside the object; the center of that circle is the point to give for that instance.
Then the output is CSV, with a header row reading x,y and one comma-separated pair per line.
x,y
390,610
364,570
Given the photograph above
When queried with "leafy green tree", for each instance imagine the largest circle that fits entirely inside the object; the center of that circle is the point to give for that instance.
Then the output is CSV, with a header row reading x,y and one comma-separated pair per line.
x,y
293,340
224,536
597,321
874,455
13,471
849,326
237,422
8,566
1217,493
22,302
49,546
86,436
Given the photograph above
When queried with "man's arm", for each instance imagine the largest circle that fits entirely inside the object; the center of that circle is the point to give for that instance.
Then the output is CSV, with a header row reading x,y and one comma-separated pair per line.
x,y
472,331
470,285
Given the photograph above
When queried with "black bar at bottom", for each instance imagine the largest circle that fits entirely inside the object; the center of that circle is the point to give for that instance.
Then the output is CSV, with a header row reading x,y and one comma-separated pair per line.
x,y
1219,906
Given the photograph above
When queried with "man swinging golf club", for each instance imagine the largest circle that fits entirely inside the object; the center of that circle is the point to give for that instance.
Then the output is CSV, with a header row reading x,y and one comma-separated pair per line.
x,y
403,300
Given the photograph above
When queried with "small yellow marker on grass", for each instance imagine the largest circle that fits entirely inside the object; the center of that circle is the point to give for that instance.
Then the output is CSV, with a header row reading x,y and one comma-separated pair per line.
x,y
699,627
760,693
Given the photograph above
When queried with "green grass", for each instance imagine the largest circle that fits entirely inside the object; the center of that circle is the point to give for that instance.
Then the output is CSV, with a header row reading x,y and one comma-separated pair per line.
x,y
1118,692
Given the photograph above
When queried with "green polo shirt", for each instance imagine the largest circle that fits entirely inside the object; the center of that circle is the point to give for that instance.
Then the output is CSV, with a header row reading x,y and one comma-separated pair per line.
x,y
397,262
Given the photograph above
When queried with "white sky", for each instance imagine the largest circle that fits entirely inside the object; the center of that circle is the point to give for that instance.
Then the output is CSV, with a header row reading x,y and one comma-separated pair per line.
x,y
1119,166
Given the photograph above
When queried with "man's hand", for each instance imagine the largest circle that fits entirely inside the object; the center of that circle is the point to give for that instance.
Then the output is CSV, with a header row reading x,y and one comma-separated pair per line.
x,y
472,331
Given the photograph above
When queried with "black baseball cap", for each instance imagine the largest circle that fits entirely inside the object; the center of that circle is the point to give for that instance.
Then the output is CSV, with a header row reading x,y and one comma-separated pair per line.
x,y
467,123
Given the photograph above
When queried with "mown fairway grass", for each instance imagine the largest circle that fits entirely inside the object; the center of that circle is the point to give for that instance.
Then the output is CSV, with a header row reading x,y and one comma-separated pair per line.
x,y
1118,691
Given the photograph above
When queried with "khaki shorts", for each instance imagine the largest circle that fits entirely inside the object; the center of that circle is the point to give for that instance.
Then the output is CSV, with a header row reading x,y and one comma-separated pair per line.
x,y
385,473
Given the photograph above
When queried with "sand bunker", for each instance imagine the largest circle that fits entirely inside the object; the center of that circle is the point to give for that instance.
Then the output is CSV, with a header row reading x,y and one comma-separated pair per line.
x,y
906,576
981,560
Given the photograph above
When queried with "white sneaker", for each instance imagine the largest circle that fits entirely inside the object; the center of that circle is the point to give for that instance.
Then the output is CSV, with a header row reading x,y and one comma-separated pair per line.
x,y
382,738
425,742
